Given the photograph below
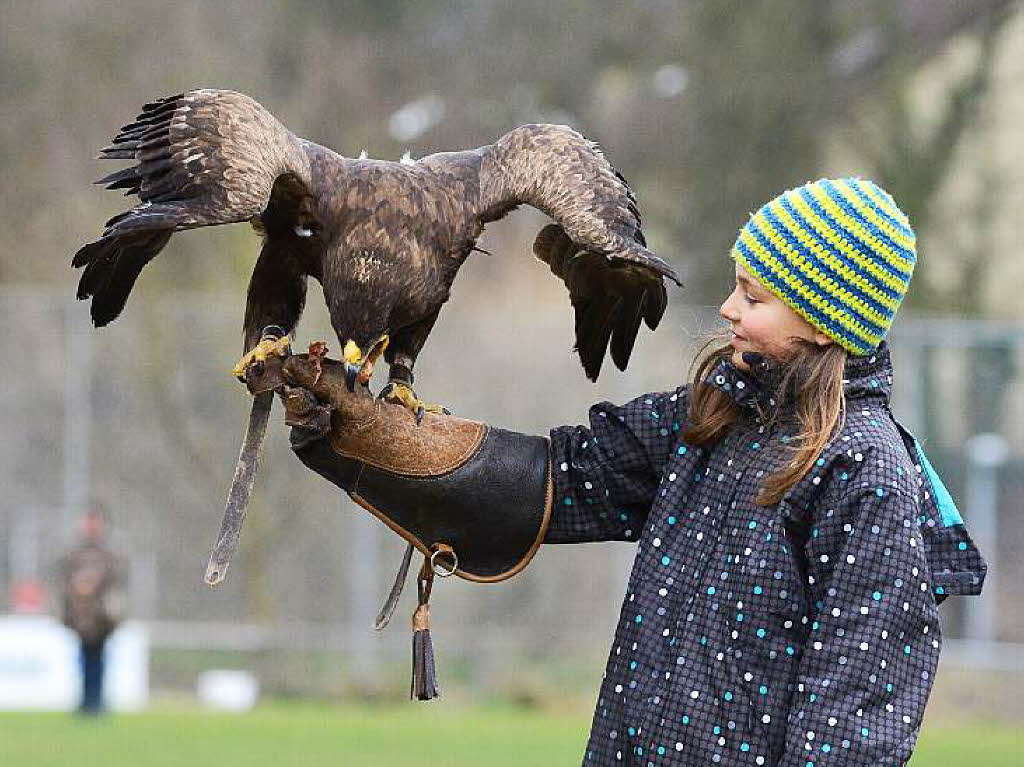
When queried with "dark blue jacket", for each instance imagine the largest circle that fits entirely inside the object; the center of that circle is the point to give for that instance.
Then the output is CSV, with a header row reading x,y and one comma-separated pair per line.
x,y
803,634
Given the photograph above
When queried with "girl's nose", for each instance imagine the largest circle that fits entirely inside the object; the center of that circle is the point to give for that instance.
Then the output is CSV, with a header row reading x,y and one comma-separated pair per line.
x,y
727,310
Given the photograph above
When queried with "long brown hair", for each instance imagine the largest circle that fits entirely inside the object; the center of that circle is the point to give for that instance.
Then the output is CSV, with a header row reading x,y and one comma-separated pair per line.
x,y
811,385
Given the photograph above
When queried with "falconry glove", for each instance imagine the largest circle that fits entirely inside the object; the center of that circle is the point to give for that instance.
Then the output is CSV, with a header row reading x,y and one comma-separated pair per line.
x,y
473,499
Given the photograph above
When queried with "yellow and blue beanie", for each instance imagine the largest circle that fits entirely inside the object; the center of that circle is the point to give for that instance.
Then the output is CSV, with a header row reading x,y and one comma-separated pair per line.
x,y
839,252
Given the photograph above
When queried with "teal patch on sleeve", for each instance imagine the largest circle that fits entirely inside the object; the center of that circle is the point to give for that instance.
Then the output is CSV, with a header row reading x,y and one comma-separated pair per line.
x,y
947,508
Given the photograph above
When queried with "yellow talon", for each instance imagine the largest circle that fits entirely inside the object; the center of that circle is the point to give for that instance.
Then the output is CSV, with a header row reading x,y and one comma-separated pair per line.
x,y
280,347
400,393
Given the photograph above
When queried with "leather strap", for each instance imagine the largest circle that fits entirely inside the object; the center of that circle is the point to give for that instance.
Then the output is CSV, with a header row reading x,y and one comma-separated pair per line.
x,y
388,608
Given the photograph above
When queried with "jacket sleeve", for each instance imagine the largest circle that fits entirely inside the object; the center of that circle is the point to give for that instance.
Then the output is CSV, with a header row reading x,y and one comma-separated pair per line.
x,y
605,476
869,660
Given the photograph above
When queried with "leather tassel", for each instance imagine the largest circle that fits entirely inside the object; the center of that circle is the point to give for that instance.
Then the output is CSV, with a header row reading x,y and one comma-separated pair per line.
x,y
424,676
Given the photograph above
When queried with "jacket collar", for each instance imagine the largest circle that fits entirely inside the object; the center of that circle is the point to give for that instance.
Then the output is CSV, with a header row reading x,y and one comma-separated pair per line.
x,y
870,375
758,387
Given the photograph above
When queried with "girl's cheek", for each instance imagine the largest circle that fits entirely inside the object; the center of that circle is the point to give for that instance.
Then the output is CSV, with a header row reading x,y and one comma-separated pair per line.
x,y
753,333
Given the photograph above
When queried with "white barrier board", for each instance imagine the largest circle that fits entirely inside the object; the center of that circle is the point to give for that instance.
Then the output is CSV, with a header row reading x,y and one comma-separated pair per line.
x,y
39,665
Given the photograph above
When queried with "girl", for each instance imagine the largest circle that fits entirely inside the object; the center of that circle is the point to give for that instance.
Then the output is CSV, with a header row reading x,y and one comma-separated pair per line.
x,y
794,542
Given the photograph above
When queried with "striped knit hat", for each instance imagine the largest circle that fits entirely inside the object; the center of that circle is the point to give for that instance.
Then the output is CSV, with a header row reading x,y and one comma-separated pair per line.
x,y
839,252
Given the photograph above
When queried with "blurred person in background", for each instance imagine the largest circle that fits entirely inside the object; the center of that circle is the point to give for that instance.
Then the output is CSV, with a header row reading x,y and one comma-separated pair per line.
x,y
92,602
794,541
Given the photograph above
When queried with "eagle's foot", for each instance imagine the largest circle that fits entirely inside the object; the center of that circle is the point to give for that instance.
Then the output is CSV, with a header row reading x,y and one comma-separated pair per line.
x,y
400,393
280,347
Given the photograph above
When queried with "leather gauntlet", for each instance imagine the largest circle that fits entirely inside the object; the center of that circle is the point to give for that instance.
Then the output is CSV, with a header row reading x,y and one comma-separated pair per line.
x,y
475,500
474,497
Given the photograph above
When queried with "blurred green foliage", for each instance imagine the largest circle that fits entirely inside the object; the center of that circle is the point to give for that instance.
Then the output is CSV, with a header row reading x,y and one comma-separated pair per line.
x,y
440,734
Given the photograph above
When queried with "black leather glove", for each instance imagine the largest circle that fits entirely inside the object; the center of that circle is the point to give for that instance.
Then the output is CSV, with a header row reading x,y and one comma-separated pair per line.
x,y
479,495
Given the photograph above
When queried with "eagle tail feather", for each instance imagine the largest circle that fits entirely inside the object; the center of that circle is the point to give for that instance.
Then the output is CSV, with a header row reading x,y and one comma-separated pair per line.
x,y
595,321
120,179
627,325
601,315
148,216
655,303
112,264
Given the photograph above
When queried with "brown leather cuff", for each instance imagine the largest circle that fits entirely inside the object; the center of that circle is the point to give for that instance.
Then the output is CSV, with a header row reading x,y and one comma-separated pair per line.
x,y
483,491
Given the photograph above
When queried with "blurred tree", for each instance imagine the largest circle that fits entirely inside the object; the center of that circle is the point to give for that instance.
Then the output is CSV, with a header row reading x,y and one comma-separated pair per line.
x,y
912,162
761,90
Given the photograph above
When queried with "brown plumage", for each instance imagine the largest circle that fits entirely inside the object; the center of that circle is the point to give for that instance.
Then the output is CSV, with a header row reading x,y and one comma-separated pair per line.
x,y
385,239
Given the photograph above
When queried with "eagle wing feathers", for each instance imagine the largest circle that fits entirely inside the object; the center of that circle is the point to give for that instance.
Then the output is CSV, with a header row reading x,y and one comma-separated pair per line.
x,y
610,297
596,246
203,158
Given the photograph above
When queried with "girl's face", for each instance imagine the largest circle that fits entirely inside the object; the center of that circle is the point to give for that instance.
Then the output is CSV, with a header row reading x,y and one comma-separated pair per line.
x,y
762,323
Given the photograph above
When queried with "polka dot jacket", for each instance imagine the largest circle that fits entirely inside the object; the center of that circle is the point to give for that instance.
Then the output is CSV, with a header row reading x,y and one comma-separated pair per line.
x,y
803,634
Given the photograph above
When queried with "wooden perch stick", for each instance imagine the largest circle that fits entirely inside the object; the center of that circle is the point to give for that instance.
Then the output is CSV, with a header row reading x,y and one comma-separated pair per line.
x,y
241,488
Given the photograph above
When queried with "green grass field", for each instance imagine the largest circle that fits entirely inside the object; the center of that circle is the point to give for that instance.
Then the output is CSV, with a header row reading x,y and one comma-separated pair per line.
x,y
311,735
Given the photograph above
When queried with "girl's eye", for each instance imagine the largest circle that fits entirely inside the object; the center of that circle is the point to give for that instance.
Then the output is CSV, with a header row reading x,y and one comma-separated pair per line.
x,y
750,299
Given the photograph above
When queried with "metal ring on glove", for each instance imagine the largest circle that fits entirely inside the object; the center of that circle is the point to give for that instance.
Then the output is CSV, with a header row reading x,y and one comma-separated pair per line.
x,y
441,572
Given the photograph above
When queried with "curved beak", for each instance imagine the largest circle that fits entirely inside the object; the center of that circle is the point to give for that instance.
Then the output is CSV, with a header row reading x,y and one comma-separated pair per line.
x,y
359,366
353,357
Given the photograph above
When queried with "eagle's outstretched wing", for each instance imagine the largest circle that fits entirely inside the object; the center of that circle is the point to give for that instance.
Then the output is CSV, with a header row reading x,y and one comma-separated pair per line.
x,y
596,246
609,296
204,157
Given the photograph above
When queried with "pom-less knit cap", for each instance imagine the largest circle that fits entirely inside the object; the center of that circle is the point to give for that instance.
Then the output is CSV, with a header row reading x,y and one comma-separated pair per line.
x,y
839,252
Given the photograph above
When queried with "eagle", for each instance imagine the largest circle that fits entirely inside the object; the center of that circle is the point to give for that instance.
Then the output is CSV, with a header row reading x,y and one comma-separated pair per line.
x,y
384,239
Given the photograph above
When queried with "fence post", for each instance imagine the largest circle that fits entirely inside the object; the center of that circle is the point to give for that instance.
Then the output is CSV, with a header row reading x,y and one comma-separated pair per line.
x,y
77,421
362,574
986,453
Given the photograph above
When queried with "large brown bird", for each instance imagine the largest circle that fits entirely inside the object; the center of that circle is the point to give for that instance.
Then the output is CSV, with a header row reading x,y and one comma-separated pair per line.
x,y
385,239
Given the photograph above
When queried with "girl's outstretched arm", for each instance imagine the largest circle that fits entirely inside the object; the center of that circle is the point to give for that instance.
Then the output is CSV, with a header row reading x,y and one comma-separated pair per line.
x,y
605,476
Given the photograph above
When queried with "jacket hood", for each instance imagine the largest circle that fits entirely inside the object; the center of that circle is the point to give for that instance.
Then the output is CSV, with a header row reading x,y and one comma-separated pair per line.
x,y
956,564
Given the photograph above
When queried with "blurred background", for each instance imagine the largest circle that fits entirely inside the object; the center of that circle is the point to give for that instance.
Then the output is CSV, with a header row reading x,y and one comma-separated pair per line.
x,y
708,107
